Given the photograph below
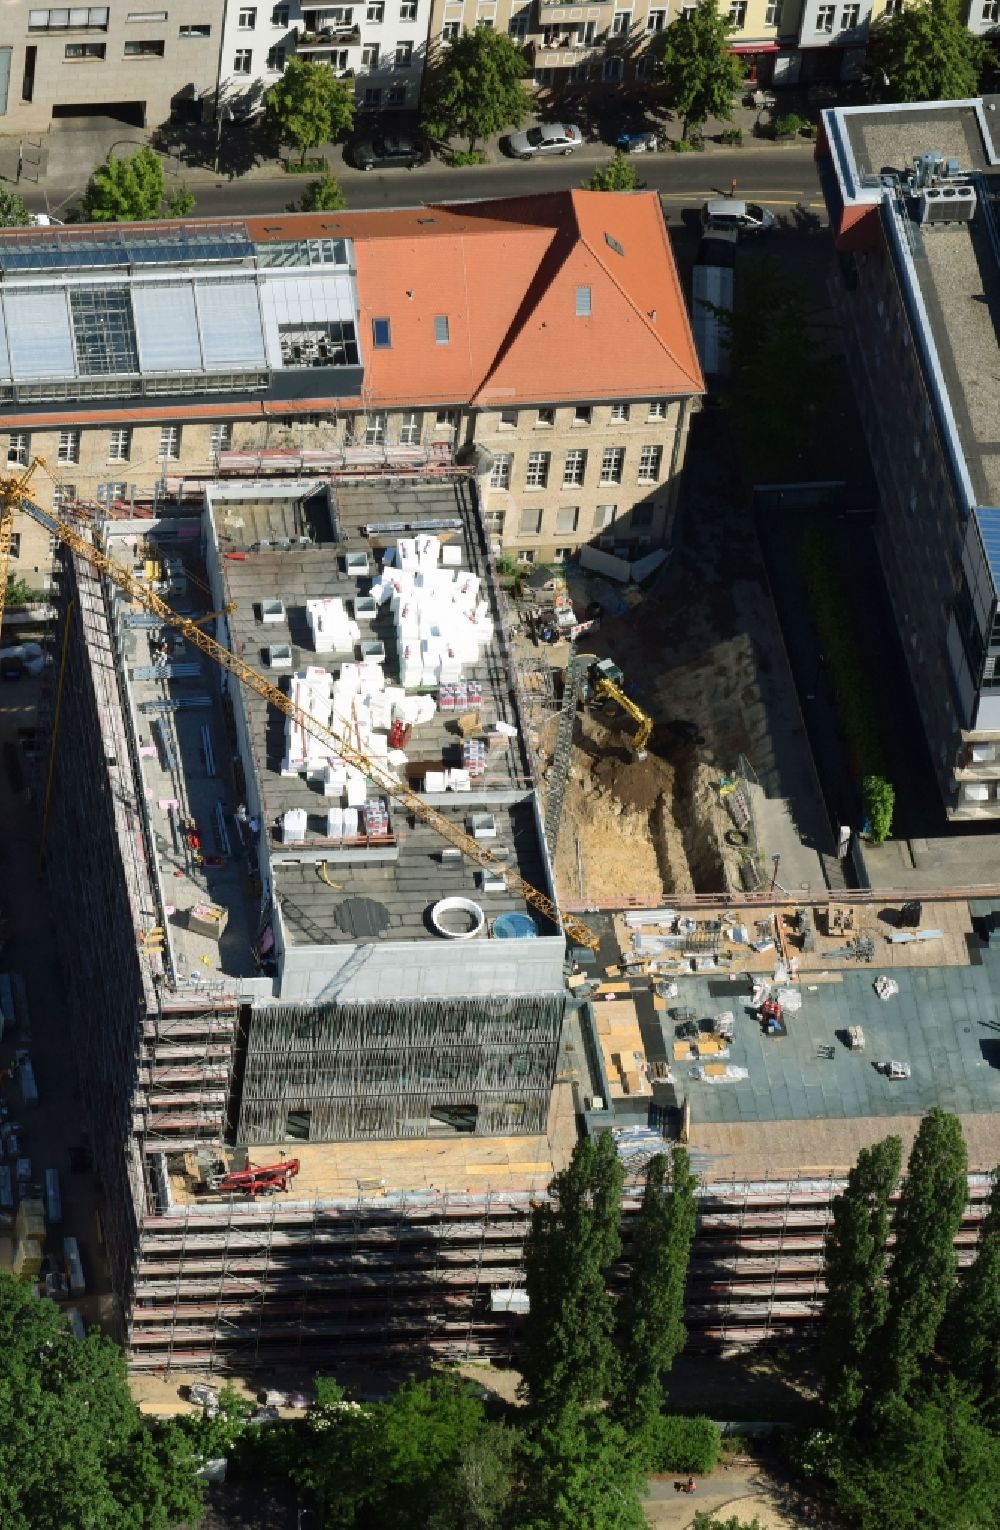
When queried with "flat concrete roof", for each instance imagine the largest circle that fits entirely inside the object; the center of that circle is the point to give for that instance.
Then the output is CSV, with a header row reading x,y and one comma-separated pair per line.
x,y
807,1102
887,138
404,877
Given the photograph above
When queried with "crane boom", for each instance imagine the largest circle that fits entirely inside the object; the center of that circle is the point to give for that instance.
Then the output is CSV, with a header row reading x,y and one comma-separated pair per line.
x,y
339,743
12,487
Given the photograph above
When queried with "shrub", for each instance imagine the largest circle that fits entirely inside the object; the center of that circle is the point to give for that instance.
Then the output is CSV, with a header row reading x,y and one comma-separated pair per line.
x,y
684,1445
304,167
461,157
788,126
684,146
733,135
879,799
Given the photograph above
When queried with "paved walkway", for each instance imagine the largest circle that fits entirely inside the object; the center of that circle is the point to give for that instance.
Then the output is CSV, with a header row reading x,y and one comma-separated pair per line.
x,y
745,1490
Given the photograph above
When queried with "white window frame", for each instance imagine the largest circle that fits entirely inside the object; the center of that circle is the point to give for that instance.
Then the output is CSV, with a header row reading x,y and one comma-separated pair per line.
x,y
657,409
650,464
221,438
621,23
619,414
605,516
562,514
500,473
410,428
533,528
375,14
574,468
826,17
18,448
120,444
375,429
738,15
850,17
537,471
68,450
656,20
407,10
243,61
170,443
612,464
246,18
403,56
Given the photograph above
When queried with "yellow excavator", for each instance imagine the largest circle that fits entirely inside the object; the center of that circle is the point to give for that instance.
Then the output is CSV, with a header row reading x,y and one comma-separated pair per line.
x,y
79,542
604,681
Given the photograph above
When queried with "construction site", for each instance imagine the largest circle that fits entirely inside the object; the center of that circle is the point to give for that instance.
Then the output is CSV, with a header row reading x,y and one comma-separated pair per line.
x,y
330,1043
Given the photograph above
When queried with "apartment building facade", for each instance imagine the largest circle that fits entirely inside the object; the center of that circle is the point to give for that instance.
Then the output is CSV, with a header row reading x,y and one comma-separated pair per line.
x,y
547,336
917,287
380,45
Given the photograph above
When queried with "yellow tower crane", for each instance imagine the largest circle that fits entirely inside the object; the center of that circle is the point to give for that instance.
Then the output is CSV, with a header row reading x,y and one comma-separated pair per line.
x,y
334,738
12,491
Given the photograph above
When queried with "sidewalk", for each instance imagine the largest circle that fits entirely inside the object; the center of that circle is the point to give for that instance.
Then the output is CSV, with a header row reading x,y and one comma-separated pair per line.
x,y
59,162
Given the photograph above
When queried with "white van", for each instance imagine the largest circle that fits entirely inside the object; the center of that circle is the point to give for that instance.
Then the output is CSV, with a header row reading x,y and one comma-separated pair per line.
x,y
730,213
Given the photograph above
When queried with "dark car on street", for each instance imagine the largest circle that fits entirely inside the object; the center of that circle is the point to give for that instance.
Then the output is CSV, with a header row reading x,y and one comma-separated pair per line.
x,y
388,151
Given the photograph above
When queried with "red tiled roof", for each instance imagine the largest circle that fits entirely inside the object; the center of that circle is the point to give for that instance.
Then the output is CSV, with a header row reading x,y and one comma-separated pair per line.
x,y
506,274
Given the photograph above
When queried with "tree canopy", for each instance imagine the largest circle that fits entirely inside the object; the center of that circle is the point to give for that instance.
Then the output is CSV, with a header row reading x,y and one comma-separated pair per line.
x,y
567,1354
474,87
324,195
924,1264
74,1449
701,75
132,189
652,1309
13,210
972,1325
309,105
925,52
856,1260
782,374
618,175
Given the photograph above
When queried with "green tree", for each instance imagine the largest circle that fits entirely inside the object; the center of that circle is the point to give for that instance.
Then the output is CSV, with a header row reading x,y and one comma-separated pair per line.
x,y
324,195
924,53
701,75
580,1473
922,1276
309,106
971,1331
74,1449
781,373
652,1309
132,189
928,1464
388,1462
568,1357
619,175
855,1260
13,212
476,1491
475,88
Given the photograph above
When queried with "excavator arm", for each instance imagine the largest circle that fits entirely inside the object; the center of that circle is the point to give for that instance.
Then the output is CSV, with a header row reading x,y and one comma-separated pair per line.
x,y
644,724
338,742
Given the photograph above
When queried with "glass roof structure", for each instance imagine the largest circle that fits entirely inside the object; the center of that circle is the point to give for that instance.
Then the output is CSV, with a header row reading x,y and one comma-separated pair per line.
x,y
118,312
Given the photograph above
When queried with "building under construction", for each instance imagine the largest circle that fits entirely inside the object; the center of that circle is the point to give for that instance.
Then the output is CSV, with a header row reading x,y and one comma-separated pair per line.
x,y
278,966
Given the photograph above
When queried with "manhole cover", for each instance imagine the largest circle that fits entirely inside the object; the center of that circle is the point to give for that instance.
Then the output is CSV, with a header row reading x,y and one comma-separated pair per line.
x,y
361,916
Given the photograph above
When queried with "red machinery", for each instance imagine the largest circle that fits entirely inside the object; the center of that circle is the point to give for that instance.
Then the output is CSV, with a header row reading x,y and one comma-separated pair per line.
x,y
772,1018
260,1181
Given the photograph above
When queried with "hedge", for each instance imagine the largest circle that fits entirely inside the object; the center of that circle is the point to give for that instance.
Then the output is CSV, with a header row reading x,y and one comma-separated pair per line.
x,y
681,1444
849,677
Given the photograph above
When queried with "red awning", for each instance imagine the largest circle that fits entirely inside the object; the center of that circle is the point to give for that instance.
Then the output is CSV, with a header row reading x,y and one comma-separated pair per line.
x,y
761,47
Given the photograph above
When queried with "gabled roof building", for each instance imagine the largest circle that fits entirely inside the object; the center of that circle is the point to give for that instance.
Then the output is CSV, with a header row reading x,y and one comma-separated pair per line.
x,y
550,331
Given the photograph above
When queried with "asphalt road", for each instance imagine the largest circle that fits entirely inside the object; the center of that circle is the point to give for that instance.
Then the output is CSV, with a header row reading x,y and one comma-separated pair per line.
x,y
783,178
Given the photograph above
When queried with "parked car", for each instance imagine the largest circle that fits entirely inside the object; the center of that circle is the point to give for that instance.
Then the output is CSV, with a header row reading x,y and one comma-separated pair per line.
x,y
546,138
388,151
732,213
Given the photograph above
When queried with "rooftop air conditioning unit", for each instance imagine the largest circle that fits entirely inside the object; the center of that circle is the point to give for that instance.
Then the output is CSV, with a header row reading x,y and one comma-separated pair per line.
x,y
948,204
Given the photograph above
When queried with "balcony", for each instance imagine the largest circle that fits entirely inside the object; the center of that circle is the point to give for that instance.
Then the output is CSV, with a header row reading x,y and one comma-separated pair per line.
x,y
560,13
566,52
331,41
